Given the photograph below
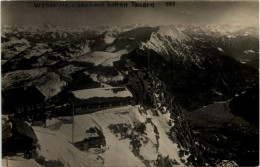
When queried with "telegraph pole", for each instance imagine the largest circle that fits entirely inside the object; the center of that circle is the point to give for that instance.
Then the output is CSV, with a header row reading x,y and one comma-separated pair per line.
x,y
72,122
49,90
148,59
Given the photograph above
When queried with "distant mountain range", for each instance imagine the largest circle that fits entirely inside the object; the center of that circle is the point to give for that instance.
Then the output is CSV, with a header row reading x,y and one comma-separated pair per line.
x,y
198,57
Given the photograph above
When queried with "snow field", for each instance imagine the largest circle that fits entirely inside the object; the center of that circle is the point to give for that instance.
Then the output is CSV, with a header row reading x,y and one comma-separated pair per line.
x,y
55,148
118,152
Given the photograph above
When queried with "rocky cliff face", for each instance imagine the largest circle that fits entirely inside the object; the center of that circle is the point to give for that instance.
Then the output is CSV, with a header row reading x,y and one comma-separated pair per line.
x,y
153,89
152,94
220,78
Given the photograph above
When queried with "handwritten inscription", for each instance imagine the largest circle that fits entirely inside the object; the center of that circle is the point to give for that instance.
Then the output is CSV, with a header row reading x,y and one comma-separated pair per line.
x,y
111,4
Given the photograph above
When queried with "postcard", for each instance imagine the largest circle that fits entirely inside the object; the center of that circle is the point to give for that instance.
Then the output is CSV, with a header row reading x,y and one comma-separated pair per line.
x,y
130,83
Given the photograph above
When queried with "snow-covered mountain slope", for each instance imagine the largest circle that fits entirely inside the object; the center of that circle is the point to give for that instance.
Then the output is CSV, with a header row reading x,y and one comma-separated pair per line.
x,y
176,41
99,58
13,47
168,40
221,30
120,149
200,46
164,67
56,151
18,77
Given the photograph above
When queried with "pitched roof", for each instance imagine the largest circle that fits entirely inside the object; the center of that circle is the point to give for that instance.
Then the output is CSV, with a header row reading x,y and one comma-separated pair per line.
x,y
25,130
102,92
20,96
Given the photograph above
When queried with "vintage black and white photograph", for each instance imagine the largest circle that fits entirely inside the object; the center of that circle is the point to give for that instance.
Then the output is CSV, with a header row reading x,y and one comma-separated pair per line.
x,y
130,83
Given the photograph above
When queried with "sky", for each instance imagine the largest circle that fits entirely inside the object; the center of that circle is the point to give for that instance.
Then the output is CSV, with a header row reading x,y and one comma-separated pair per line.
x,y
187,12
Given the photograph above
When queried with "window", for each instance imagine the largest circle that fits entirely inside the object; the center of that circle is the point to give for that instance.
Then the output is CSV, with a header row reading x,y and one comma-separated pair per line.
x,y
19,110
38,106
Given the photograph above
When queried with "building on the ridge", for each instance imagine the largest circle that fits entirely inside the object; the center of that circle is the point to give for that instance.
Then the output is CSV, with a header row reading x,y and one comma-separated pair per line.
x,y
27,103
23,140
90,100
94,138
